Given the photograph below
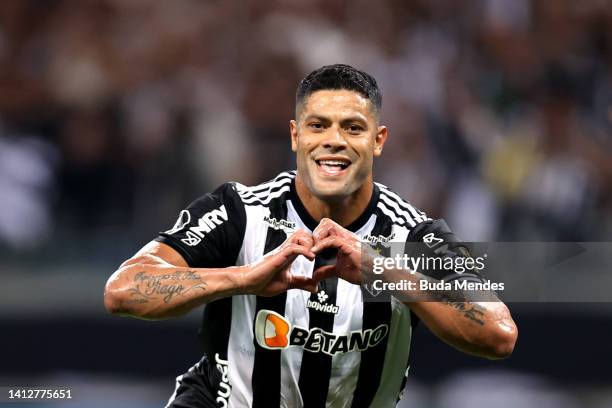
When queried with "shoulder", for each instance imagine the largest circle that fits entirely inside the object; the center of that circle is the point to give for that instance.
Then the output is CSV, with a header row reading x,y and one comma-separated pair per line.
x,y
264,193
399,210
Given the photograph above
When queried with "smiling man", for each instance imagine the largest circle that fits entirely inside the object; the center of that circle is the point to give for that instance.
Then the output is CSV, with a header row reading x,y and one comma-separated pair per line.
x,y
285,322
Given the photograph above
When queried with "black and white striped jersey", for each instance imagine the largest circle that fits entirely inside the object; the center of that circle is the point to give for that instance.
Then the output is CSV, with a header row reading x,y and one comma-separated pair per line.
x,y
297,349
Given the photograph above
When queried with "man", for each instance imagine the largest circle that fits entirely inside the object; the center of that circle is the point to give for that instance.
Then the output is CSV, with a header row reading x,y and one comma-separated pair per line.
x,y
285,325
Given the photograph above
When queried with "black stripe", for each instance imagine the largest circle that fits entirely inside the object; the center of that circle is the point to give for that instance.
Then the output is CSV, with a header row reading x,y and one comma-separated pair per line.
x,y
315,370
412,210
372,359
262,187
214,335
375,313
270,202
405,213
402,218
266,377
267,194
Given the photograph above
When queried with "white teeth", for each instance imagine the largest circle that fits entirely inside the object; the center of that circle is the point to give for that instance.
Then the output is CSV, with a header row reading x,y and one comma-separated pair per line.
x,y
333,162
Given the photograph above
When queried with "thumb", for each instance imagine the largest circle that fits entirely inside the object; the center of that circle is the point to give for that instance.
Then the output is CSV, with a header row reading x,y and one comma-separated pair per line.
x,y
304,283
324,272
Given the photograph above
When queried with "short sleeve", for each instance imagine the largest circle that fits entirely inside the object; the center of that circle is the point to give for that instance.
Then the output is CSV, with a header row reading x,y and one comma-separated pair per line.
x,y
209,232
433,239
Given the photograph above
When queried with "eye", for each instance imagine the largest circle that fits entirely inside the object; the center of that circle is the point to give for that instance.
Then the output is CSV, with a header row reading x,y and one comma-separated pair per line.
x,y
354,129
317,126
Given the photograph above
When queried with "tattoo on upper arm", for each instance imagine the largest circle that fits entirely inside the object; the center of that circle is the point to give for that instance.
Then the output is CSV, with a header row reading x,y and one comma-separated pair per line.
x,y
470,310
150,287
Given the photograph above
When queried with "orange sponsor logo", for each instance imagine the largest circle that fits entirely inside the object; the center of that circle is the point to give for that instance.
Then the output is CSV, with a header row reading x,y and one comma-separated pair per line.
x,y
271,330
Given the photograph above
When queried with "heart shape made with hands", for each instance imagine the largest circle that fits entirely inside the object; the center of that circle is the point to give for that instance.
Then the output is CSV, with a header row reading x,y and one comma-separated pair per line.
x,y
338,252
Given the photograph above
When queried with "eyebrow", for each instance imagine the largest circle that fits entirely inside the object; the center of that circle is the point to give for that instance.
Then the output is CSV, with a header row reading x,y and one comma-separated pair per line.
x,y
344,120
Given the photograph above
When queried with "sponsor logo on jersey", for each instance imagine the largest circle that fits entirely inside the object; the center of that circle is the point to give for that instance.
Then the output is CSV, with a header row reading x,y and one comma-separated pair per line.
x,y
282,225
206,224
183,219
225,388
273,332
320,305
379,239
431,240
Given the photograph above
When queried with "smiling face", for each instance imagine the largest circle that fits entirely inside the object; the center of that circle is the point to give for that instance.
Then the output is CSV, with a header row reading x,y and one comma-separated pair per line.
x,y
335,138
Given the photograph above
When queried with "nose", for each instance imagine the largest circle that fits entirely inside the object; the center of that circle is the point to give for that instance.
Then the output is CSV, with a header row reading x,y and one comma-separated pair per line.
x,y
334,140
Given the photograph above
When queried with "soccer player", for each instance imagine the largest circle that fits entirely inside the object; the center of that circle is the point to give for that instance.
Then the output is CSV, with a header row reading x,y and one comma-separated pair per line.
x,y
284,325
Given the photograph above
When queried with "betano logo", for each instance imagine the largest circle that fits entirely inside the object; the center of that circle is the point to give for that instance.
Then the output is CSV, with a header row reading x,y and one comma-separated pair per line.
x,y
274,332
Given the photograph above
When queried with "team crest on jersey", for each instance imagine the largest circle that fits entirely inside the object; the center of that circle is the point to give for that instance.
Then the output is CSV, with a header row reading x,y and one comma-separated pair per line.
x,y
183,219
274,332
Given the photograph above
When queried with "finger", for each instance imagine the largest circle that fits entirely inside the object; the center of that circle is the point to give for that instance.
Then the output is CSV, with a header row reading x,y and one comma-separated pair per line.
x,y
305,240
304,283
329,242
324,229
295,236
293,250
324,272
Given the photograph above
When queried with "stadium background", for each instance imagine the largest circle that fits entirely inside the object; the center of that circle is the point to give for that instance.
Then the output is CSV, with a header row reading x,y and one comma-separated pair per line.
x,y
116,113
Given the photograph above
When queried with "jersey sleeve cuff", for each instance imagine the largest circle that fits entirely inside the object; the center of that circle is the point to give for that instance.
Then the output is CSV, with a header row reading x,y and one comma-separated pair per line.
x,y
178,248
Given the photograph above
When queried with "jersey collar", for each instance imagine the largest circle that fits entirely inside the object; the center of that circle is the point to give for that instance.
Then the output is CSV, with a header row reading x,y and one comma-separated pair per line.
x,y
311,223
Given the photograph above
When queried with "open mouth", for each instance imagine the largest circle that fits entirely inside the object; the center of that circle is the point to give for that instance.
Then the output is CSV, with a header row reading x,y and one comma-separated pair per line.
x,y
333,166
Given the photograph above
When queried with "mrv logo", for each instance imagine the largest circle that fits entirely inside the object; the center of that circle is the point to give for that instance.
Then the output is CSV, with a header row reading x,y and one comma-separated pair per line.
x,y
273,332
206,223
320,305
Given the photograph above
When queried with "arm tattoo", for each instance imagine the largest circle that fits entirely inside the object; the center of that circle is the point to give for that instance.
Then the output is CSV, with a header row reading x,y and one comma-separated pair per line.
x,y
149,287
470,310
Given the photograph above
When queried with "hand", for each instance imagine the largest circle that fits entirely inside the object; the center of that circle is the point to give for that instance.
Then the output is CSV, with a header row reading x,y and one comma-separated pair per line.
x,y
349,264
272,275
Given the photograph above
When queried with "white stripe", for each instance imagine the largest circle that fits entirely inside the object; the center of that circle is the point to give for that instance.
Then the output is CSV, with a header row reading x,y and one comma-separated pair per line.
x,y
398,210
276,194
265,199
392,215
345,367
396,356
281,178
241,351
403,203
264,189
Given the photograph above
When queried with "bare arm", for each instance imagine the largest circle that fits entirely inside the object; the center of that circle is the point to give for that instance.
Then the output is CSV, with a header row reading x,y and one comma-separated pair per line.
x,y
484,329
156,283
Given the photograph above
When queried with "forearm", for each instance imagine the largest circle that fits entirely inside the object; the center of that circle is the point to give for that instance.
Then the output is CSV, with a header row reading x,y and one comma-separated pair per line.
x,y
149,288
484,329
478,324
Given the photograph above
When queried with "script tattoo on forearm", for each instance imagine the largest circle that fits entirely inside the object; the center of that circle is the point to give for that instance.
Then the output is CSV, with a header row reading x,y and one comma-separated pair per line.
x,y
470,310
149,287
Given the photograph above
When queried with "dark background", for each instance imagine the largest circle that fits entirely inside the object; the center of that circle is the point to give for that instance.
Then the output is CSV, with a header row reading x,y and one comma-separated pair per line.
x,y
115,114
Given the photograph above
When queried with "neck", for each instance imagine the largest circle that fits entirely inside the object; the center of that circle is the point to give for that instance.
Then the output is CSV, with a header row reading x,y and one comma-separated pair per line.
x,y
344,211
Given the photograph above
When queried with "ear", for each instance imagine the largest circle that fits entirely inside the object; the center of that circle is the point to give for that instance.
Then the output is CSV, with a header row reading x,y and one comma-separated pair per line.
x,y
379,142
293,129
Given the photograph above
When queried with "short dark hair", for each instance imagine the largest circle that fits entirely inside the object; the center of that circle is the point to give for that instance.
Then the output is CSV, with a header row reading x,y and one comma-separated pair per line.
x,y
340,76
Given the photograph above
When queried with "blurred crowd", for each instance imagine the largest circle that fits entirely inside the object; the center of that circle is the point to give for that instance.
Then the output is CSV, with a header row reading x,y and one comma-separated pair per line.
x,y
114,114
